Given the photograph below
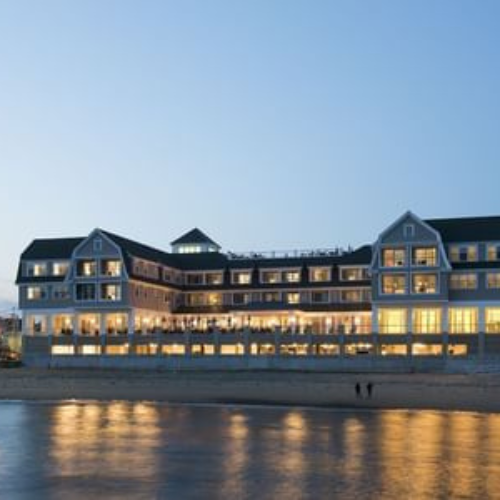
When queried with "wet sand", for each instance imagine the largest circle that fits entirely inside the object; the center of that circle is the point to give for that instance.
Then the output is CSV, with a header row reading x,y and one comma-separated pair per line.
x,y
477,392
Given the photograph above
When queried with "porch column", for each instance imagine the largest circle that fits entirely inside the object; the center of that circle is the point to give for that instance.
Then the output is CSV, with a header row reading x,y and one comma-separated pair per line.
x,y
481,333
445,330
102,331
409,330
131,323
76,331
375,340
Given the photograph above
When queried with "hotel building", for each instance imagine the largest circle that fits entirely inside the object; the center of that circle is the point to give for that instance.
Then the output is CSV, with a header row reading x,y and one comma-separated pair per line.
x,y
425,290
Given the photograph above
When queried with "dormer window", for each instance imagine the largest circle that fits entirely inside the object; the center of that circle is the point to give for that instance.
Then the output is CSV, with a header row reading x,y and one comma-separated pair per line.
x,y
60,268
36,269
241,277
463,253
493,252
214,278
270,277
319,274
353,274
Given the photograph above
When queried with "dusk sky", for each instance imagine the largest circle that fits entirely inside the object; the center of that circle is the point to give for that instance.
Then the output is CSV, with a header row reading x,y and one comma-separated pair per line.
x,y
268,124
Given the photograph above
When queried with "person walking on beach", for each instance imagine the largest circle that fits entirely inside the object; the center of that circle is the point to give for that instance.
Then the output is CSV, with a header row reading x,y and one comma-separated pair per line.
x,y
357,388
369,389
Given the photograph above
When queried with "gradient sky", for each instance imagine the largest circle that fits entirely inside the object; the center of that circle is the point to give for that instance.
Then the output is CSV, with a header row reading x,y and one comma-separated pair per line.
x,y
268,124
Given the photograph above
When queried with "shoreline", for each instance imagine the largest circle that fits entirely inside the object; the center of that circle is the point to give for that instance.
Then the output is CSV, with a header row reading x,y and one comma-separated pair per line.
x,y
448,392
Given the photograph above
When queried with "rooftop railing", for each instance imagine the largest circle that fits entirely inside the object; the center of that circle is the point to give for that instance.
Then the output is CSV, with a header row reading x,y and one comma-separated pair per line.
x,y
276,254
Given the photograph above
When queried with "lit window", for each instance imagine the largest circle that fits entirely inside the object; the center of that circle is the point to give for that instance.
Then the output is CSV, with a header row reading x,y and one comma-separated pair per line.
x,y
492,320
424,283
292,276
111,268
90,350
62,324
111,292
493,280
61,350
351,296
320,274
86,268
89,324
393,284
419,349
36,269
493,252
463,320
60,268
293,298
353,274
242,277
270,277
463,253
116,323
392,321
214,278
195,299
427,321
393,257
190,249
214,299
36,293
425,256
37,324
463,281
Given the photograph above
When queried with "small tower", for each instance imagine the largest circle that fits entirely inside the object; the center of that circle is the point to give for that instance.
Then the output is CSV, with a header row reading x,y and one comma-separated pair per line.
x,y
194,241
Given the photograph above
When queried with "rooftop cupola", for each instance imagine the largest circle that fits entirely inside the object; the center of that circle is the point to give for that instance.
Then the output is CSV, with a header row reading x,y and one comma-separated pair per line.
x,y
194,241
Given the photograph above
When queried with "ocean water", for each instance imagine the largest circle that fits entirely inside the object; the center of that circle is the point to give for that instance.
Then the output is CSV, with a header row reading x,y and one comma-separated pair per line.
x,y
118,450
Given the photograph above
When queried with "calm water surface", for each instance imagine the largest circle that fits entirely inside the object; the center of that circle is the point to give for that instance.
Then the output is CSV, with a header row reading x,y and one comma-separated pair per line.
x,y
74,450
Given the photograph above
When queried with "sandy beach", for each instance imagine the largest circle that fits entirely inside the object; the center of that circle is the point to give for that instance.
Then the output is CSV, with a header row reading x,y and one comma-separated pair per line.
x,y
426,391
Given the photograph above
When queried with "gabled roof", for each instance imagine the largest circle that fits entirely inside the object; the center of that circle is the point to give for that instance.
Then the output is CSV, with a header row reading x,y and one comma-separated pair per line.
x,y
53,248
467,228
194,236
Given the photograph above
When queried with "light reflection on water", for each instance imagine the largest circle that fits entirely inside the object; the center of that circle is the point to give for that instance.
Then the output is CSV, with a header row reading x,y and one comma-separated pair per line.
x,y
141,450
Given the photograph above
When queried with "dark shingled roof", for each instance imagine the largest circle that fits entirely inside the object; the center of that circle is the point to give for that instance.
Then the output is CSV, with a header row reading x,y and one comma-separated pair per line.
x,y
194,236
136,249
54,248
467,228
